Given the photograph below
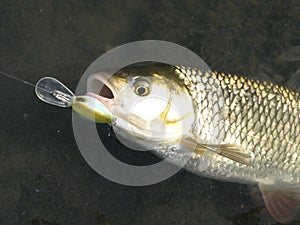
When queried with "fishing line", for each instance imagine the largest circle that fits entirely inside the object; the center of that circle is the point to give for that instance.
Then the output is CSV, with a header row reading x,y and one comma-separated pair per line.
x,y
22,81
17,79
48,89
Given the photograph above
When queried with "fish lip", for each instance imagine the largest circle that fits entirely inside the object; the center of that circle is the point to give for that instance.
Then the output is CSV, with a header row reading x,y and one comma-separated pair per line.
x,y
107,102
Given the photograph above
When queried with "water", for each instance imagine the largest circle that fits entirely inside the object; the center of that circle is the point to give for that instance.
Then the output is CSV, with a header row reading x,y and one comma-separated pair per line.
x,y
43,177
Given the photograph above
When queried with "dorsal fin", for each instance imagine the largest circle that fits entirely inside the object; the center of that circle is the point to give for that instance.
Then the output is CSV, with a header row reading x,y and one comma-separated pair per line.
x,y
294,81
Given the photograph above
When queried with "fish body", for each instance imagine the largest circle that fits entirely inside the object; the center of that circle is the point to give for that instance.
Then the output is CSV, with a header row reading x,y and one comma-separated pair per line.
x,y
260,117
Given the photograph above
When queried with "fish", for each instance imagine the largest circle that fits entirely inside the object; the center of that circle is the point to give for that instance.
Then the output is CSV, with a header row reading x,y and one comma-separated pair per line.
x,y
233,128
222,126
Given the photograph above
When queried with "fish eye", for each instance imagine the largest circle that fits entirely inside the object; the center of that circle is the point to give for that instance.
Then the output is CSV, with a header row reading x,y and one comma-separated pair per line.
x,y
141,88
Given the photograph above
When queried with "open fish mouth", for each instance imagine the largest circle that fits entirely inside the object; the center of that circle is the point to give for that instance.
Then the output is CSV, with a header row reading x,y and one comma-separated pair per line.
x,y
99,88
106,92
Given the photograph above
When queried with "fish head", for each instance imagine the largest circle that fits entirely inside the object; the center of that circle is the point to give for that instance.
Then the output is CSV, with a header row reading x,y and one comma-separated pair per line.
x,y
150,104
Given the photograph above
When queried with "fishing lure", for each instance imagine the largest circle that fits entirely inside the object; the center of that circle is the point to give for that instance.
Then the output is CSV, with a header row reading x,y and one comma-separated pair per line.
x,y
52,91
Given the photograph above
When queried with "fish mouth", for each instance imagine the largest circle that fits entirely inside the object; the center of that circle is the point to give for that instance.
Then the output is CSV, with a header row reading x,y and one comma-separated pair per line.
x,y
99,87
106,92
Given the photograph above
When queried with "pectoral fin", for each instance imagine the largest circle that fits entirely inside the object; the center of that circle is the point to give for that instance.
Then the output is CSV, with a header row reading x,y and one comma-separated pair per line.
x,y
282,200
201,157
230,151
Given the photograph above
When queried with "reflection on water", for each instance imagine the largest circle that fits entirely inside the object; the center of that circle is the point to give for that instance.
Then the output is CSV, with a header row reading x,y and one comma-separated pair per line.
x,y
42,174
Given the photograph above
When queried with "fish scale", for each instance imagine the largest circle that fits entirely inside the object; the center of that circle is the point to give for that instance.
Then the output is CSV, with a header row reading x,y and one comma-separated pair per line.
x,y
261,117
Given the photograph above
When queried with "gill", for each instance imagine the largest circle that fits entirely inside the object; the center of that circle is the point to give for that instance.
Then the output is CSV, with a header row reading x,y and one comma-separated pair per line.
x,y
164,114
